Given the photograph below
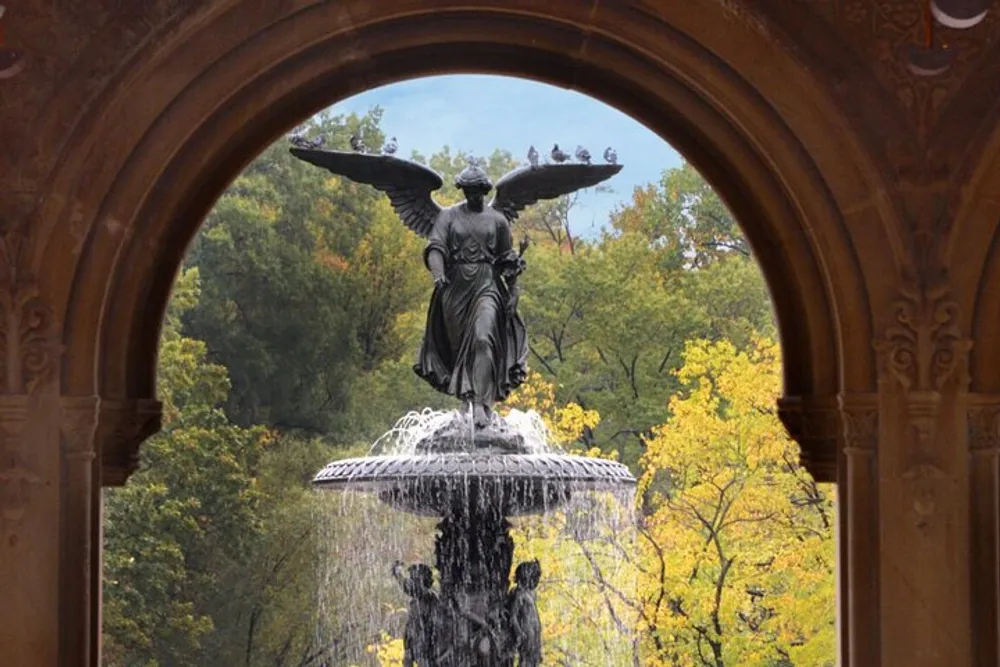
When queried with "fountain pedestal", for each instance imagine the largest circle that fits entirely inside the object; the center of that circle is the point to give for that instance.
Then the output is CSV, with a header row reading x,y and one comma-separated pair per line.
x,y
473,554
474,486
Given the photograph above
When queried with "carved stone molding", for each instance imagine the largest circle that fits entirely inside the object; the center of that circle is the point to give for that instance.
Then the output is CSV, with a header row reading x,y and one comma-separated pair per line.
x,y
122,427
29,337
78,426
923,349
17,480
814,424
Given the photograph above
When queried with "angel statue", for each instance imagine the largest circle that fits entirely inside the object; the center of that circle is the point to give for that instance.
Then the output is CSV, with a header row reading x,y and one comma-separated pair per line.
x,y
475,346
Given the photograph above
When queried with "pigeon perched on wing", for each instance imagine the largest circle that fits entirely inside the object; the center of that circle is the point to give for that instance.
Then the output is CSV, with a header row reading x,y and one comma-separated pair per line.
x,y
558,155
357,145
301,141
390,146
532,156
610,155
583,155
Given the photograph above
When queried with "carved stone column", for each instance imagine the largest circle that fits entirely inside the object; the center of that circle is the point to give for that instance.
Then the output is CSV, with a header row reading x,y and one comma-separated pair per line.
x,y
984,473
814,424
80,565
858,505
841,435
924,575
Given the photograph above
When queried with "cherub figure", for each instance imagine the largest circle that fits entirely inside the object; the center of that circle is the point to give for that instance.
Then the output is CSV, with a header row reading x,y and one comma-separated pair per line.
x,y
418,637
525,625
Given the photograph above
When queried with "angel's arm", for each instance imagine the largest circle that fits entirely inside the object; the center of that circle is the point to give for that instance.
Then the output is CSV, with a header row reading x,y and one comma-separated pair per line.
x,y
435,255
435,262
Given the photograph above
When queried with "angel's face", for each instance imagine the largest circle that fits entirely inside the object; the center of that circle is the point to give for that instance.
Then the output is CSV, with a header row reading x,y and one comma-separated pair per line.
x,y
474,196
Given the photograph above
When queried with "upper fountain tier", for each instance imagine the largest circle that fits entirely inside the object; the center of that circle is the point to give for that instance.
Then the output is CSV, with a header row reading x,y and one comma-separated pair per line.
x,y
451,466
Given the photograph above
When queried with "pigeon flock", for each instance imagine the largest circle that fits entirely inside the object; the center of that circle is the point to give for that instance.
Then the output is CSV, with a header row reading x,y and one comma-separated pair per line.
x,y
581,154
557,155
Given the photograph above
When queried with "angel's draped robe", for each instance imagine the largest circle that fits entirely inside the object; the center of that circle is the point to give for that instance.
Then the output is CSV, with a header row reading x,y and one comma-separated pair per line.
x,y
474,348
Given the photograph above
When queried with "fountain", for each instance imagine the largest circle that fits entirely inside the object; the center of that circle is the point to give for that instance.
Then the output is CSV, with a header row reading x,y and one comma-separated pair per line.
x,y
471,469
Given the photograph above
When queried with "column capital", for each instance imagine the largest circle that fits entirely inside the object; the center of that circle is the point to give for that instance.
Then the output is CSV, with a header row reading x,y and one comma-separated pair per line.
x,y
122,426
813,422
79,425
984,424
860,420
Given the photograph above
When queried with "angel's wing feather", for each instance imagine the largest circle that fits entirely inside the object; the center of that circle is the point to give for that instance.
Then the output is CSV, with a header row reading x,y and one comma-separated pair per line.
x,y
526,185
408,184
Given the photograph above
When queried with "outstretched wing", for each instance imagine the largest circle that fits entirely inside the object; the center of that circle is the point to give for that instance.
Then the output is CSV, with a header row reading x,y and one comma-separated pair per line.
x,y
526,185
408,184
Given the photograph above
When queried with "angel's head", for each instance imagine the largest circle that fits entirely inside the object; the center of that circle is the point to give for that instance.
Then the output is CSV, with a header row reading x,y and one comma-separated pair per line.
x,y
474,182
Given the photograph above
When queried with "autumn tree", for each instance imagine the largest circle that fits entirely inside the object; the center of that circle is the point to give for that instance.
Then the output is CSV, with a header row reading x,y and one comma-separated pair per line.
x,y
737,539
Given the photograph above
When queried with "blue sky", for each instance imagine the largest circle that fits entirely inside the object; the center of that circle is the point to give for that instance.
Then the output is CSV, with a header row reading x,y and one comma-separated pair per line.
x,y
479,113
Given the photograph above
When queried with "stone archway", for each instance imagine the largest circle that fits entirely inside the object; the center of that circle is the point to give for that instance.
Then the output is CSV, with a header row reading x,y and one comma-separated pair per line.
x,y
166,146
763,115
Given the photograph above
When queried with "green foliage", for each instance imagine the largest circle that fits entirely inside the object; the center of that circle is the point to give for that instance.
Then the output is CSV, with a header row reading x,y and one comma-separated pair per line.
x,y
608,319
183,522
209,552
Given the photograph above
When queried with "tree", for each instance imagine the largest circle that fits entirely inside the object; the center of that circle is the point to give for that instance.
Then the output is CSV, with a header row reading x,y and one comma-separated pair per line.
x,y
684,216
183,522
608,321
738,542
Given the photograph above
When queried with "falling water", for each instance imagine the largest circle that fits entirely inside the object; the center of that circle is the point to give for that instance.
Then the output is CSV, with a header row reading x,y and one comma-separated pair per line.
x,y
417,426
582,536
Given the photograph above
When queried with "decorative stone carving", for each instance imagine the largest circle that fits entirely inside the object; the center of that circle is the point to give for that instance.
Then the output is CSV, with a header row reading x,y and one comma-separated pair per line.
x,y
923,481
860,423
29,338
923,348
17,480
814,424
984,429
122,427
880,30
78,426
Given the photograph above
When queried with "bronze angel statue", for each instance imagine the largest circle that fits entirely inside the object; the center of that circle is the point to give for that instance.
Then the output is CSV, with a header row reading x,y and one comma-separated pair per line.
x,y
475,345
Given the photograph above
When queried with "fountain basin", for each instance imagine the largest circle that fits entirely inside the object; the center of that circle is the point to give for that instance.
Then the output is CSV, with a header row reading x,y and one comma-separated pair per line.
x,y
440,484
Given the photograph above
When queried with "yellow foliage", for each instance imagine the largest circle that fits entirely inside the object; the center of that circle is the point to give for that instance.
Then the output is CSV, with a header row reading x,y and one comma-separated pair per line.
x,y
388,652
565,423
738,538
